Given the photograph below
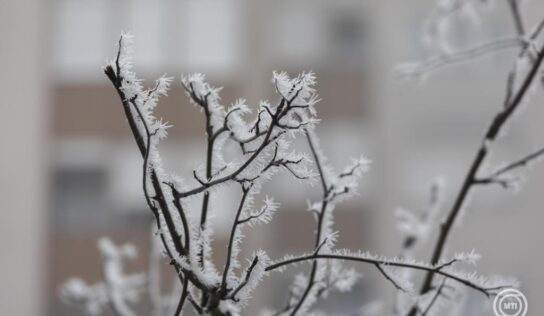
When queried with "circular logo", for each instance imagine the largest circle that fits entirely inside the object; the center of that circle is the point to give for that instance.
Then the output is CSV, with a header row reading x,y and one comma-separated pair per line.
x,y
510,302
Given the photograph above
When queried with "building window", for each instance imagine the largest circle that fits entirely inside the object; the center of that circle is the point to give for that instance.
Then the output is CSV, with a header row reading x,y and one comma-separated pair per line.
x,y
79,198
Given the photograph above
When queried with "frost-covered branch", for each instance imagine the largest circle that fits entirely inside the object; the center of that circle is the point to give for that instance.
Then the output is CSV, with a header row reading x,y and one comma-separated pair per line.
x,y
436,295
516,95
333,187
265,141
265,144
416,228
486,286
134,98
118,290
232,243
500,177
492,132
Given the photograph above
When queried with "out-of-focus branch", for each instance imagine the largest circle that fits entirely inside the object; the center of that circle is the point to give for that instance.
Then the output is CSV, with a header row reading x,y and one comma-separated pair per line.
x,y
522,162
516,15
471,178
495,177
439,61
435,297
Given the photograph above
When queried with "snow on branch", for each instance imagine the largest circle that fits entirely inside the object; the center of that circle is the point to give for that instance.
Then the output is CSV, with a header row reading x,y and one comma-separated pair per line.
x,y
526,71
485,285
335,187
266,149
502,175
118,289
265,138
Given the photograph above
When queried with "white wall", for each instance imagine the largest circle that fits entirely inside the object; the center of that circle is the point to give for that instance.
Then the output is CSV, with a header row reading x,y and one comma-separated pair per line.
x,y
23,157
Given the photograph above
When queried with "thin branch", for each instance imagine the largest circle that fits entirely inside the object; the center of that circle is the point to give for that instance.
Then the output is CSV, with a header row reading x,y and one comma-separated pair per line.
x,y
492,132
389,278
505,183
195,305
494,178
447,264
323,243
522,162
487,291
516,15
114,75
320,219
232,176
520,31
313,149
197,178
116,79
211,137
235,223
184,221
281,110
252,217
283,163
246,280
435,297
183,297
436,62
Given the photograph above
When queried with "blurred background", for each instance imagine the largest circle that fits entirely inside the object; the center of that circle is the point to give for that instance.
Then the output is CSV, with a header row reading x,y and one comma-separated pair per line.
x,y
70,171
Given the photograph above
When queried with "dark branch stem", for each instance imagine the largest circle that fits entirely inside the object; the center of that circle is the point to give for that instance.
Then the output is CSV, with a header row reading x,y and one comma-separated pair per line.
x,y
389,278
486,291
116,80
505,183
246,279
442,60
492,132
516,15
435,297
183,297
522,162
209,165
235,223
232,176
114,75
321,216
